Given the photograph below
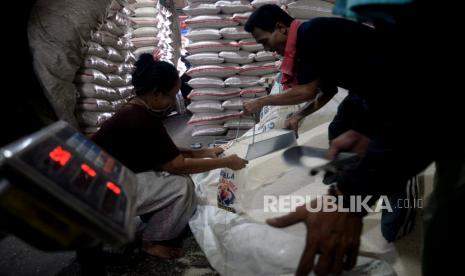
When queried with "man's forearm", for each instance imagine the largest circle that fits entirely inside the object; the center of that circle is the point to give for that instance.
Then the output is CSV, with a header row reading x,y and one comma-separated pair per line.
x,y
296,95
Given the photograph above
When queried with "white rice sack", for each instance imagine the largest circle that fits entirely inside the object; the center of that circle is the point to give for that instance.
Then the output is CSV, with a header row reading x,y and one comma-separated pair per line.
x,y
112,28
212,46
91,76
113,54
145,3
250,45
95,49
241,18
90,104
196,9
146,12
209,130
234,6
119,103
145,31
233,104
201,94
104,38
128,56
125,68
100,64
144,50
308,9
258,3
253,92
265,56
223,70
125,91
121,20
206,83
242,81
204,58
240,57
124,44
259,68
92,118
240,124
115,80
212,118
203,34
206,106
210,21
140,42
140,22
201,1
91,90
235,33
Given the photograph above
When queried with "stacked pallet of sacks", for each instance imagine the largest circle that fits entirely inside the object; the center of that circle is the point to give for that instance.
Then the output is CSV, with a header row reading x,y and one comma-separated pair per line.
x,y
308,9
151,30
103,82
229,66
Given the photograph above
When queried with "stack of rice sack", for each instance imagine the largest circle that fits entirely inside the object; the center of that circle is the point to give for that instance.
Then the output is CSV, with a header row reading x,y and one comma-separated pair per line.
x,y
104,80
228,65
308,9
151,30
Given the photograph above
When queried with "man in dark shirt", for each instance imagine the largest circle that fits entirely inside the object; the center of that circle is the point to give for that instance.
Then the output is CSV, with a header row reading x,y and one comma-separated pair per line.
x,y
336,52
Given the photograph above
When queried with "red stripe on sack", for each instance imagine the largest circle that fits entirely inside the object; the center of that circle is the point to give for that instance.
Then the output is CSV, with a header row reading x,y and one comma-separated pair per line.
x,y
258,68
212,69
213,94
208,21
212,45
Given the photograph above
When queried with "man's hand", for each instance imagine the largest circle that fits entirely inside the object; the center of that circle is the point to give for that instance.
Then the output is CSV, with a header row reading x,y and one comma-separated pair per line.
x,y
292,123
351,141
334,236
251,107
235,163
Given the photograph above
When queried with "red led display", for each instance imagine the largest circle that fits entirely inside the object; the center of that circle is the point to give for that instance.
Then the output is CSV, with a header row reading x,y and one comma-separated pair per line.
x,y
88,170
60,155
112,187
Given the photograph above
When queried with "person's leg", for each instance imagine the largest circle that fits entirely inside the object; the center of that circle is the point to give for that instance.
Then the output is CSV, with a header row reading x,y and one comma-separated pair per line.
x,y
165,205
401,221
444,236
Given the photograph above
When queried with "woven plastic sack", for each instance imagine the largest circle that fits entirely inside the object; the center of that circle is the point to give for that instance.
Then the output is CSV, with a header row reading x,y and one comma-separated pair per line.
x,y
240,57
204,58
223,70
91,76
207,82
235,33
203,34
229,7
265,56
242,81
196,9
233,104
212,46
253,92
259,68
212,118
89,104
210,21
213,94
250,45
206,106
241,18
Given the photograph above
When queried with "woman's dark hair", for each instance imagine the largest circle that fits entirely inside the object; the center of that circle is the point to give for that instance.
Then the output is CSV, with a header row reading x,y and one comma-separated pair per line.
x,y
152,75
266,18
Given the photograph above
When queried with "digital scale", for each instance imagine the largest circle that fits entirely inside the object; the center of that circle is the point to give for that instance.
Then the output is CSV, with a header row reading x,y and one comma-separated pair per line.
x,y
58,190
